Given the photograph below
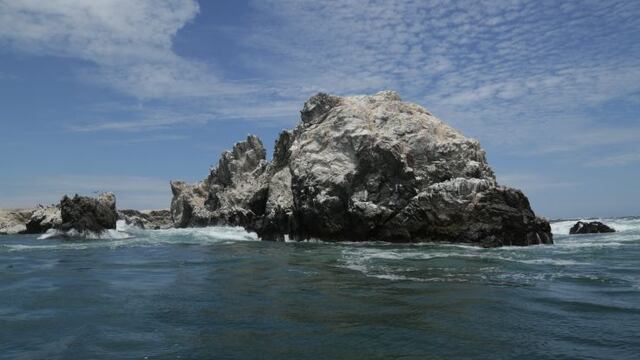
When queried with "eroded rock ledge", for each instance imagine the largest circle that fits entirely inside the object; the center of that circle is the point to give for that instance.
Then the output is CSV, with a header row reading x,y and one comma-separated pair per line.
x,y
362,168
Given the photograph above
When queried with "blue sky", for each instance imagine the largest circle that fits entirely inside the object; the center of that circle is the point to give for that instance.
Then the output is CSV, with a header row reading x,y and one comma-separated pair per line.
x,y
125,95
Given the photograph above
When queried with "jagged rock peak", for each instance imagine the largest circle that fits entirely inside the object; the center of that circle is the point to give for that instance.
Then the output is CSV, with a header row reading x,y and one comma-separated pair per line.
x,y
245,157
317,105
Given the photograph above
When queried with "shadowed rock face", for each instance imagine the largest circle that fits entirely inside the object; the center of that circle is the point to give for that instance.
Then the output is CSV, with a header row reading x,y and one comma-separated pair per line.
x,y
363,168
593,227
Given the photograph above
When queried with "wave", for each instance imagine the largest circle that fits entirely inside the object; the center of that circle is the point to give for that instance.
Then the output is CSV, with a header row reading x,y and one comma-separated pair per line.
x,y
562,227
211,234
109,234
443,264
128,236
487,254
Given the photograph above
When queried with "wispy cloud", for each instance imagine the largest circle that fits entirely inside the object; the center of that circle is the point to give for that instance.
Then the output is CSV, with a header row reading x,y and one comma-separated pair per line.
x,y
131,191
153,120
535,182
144,119
147,138
128,42
616,160
503,71
596,136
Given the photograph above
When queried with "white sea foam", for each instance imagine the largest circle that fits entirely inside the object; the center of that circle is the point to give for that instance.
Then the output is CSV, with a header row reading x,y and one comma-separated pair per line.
x,y
129,236
391,263
50,234
619,224
122,226
548,261
109,234
372,254
205,234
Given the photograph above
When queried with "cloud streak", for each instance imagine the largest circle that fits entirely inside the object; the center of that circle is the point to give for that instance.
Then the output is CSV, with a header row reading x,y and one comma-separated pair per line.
x,y
503,71
616,160
131,191
129,43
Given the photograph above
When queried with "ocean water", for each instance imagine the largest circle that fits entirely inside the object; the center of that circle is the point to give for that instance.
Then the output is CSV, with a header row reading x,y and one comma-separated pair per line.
x,y
218,293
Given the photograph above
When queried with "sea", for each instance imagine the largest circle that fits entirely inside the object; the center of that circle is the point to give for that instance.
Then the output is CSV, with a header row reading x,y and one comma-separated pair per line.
x,y
219,293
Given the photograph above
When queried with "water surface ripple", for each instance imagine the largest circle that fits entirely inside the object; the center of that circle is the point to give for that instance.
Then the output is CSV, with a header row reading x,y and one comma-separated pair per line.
x,y
219,293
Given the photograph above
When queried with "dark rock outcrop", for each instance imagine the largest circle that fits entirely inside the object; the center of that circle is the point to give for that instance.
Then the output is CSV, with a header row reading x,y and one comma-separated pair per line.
x,y
85,215
362,168
152,219
593,227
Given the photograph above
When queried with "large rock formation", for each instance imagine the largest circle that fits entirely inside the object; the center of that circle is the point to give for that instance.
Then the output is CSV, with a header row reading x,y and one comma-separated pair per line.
x,y
85,215
362,168
593,227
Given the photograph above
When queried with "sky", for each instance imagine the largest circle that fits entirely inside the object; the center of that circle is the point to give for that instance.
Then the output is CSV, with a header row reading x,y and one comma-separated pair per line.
x,y
123,96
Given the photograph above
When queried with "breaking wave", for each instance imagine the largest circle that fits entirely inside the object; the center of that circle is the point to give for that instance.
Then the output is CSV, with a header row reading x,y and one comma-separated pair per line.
x,y
129,236
571,258
562,227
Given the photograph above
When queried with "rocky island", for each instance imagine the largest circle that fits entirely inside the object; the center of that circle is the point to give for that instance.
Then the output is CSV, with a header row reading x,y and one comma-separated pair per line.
x,y
358,168
81,216
362,168
593,227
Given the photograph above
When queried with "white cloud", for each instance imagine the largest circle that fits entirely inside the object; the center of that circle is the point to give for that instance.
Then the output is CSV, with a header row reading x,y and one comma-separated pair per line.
x,y
144,119
129,42
508,72
616,160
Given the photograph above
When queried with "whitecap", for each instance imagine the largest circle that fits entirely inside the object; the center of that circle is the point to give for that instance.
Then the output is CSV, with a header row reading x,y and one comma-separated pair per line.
x,y
619,224
129,236
547,261
109,234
